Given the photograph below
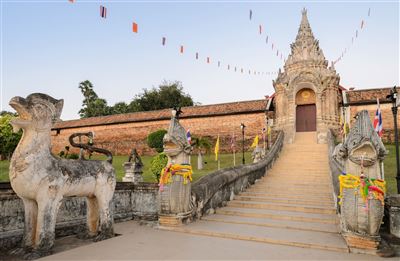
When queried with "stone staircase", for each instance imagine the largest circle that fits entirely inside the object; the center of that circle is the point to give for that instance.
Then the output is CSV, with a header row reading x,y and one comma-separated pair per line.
x,y
292,205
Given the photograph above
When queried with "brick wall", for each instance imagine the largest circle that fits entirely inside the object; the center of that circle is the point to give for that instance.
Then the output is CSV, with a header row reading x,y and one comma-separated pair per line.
x,y
117,134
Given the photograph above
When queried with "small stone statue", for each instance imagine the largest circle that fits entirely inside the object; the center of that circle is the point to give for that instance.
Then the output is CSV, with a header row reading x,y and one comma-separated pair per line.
x,y
133,168
257,154
42,180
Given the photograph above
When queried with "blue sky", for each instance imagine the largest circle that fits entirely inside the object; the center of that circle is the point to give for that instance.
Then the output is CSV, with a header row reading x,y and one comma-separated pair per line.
x,y
51,46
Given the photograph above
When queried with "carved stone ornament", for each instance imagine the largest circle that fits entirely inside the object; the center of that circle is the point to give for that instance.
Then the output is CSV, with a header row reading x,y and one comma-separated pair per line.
x,y
41,180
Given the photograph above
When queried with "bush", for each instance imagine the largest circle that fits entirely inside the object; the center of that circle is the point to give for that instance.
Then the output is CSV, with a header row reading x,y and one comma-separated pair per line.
x,y
8,139
157,164
73,156
155,140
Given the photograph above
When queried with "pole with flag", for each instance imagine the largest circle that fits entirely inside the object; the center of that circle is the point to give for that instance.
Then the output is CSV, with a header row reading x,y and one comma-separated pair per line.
x,y
233,148
255,142
379,129
189,139
216,151
263,133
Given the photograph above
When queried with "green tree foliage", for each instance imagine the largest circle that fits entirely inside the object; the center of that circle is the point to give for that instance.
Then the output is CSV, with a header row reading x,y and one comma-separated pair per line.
x,y
203,144
8,139
155,140
167,95
157,164
92,105
120,107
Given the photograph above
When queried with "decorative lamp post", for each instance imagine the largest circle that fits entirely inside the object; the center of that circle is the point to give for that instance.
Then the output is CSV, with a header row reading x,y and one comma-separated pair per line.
x,y
393,97
242,126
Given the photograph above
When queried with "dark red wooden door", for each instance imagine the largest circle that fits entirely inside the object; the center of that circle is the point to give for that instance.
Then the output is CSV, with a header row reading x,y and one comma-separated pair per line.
x,y
306,118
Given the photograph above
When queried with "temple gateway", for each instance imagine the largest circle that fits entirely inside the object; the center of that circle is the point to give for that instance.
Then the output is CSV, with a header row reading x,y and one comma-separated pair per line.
x,y
307,92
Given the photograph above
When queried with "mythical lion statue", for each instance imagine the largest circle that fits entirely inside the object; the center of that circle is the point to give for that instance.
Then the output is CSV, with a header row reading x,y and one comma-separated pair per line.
x,y
41,180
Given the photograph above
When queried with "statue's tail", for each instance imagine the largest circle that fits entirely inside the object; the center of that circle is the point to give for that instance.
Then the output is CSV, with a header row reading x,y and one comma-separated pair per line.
x,y
89,147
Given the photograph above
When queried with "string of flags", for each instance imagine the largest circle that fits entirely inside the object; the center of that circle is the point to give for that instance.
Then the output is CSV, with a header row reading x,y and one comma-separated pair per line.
x,y
208,60
354,37
279,54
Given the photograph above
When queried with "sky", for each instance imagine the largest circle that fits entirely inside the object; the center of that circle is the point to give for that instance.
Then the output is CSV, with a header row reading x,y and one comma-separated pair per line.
x,y
50,46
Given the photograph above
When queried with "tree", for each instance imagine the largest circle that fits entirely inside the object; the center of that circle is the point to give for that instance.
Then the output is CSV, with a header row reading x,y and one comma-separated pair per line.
x,y
119,108
8,139
167,95
92,105
155,140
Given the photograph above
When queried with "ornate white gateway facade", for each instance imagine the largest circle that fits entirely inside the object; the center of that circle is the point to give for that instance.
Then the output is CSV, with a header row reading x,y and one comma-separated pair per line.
x,y
307,92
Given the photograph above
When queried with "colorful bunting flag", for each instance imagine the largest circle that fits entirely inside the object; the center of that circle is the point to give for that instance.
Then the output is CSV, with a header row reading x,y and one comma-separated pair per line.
x,y
251,14
208,59
369,11
266,40
135,27
229,67
356,33
272,46
197,56
163,41
103,12
219,63
362,24
181,49
260,28
71,1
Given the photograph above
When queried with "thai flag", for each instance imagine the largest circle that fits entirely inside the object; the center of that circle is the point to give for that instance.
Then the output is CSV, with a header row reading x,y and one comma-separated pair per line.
x,y
378,120
189,136
103,12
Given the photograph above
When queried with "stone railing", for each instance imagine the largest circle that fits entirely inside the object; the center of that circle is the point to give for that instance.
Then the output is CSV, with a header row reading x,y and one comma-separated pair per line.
x,y
336,168
215,189
131,201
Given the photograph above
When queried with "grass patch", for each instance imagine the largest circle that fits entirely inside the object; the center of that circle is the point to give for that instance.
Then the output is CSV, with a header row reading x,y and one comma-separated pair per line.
x,y
390,169
226,160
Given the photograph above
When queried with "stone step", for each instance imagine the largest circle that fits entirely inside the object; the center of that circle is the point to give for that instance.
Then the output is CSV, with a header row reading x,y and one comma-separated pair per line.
x,y
287,183
284,192
269,235
284,195
282,186
281,206
272,199
266,222
279,215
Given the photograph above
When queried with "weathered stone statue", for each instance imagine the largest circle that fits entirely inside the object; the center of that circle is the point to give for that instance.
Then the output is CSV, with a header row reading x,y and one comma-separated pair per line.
x,y
133,168
175,187
362,187
257,154
42,180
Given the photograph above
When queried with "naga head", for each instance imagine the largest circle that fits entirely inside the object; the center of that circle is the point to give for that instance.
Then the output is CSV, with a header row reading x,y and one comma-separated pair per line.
x,y
175,141
37,111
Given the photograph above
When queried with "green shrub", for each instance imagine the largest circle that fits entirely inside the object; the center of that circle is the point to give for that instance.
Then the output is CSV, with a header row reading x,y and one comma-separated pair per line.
x,y
157,164
73,156
155,140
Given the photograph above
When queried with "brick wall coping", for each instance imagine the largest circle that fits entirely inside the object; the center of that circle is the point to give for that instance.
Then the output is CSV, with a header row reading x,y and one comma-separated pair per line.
x,y
221,109
368,96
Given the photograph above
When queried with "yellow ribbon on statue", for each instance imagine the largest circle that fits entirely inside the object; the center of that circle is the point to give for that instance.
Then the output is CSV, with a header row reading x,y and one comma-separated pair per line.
x,y
374,187
176,169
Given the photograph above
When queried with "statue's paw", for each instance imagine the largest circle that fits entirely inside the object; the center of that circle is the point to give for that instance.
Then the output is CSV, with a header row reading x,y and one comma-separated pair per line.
x,y
103,236
35,254
85,235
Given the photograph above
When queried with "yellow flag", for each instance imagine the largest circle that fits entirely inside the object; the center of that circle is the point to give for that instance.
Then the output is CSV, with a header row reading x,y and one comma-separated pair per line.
x,y
269,130
216,150
255,142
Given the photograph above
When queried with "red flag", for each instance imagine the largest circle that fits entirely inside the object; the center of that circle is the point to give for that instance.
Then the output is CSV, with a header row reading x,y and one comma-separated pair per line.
x,y
164,40
71,1
135,27
103,12
181,49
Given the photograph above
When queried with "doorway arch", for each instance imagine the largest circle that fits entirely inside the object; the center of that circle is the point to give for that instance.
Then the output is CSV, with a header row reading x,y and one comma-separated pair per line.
x,y
306,112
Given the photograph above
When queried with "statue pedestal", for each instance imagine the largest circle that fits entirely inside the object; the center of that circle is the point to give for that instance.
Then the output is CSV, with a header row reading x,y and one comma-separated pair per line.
x,y
132,174
362,244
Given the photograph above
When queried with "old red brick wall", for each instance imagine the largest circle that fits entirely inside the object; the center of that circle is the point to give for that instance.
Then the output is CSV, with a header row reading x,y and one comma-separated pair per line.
x,y
121,138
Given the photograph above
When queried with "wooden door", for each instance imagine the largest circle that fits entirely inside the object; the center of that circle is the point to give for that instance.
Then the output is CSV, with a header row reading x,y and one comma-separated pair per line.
x,y
306,118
